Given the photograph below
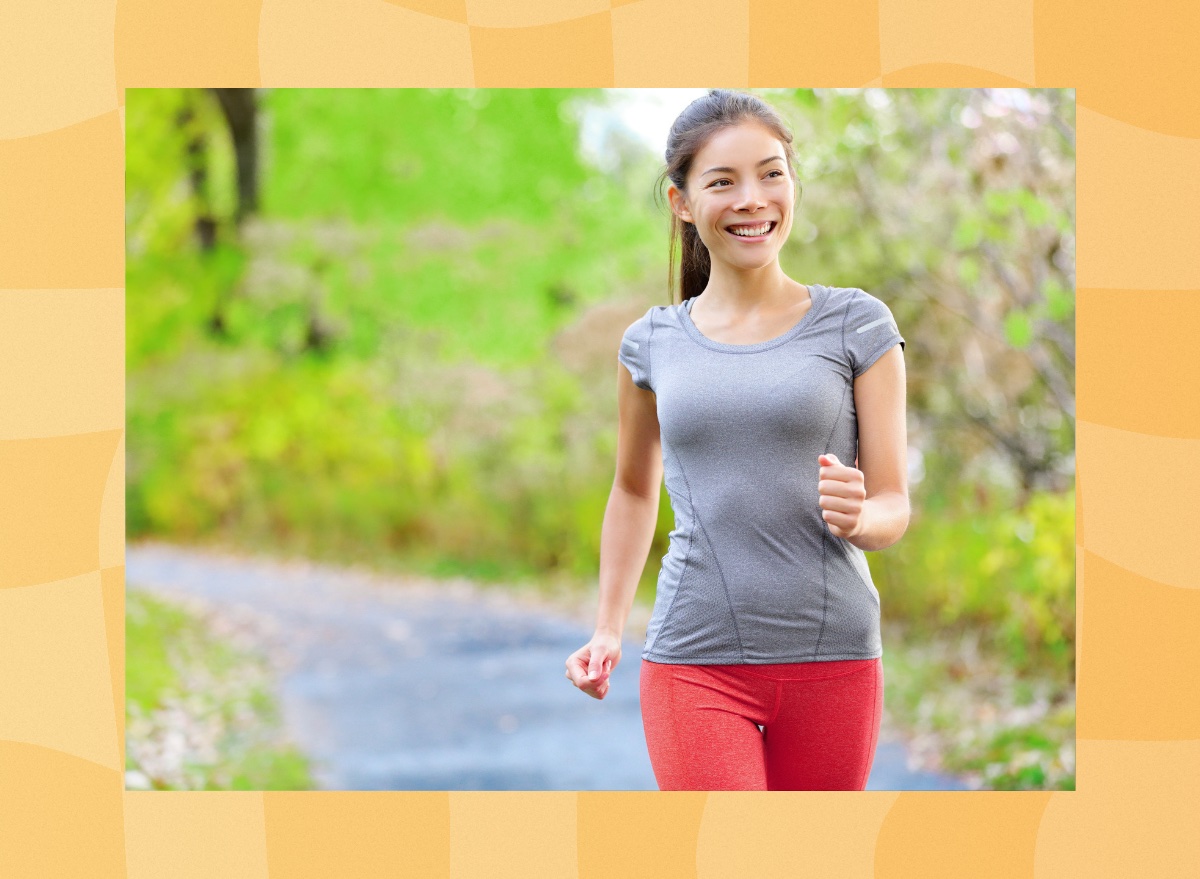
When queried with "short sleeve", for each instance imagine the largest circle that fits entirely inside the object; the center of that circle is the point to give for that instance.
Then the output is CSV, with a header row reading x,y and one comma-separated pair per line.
x,y
868,332
635,350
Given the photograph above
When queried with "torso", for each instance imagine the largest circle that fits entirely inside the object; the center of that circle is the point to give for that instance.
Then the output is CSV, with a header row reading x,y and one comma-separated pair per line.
x,y
750,330
753,574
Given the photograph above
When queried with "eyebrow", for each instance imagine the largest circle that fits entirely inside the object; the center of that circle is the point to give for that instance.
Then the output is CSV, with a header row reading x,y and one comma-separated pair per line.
x,y
731,170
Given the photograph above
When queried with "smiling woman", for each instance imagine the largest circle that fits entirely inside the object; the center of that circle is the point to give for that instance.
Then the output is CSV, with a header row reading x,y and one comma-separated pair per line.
x,y
762,663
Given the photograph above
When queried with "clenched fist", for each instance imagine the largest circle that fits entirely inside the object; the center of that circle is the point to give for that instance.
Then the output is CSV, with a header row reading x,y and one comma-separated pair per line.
x,y
840,494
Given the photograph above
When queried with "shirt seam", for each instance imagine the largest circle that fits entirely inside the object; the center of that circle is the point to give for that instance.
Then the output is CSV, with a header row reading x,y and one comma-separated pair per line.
x,y
698,523
717,660
801,327
845,317
869,360
825,533
847,553
687,557
649,353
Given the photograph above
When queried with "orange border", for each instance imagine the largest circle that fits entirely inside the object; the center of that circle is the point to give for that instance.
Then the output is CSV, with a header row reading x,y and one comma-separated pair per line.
x,y
62,804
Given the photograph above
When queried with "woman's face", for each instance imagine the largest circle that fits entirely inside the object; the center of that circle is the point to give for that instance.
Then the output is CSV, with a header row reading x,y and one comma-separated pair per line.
x,y
739,181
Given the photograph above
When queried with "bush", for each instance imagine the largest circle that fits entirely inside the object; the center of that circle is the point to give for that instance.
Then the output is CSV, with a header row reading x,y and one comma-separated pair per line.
x,y
1009,572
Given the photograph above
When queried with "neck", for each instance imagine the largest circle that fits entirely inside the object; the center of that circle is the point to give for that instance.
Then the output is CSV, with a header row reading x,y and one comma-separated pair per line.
x,y
742,290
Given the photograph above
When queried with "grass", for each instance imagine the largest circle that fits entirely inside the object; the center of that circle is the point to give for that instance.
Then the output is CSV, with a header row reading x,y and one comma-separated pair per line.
x,y
200,714
965,712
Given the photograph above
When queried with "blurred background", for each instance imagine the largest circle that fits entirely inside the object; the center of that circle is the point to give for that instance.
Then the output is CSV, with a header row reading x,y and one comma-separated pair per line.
x,y
377,329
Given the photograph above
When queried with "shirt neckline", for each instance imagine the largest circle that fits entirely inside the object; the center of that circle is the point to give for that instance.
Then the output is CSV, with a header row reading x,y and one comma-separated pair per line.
x,y
815,291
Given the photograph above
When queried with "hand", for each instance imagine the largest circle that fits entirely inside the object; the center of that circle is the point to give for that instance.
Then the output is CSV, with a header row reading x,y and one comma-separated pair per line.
x,y
841,491
589,667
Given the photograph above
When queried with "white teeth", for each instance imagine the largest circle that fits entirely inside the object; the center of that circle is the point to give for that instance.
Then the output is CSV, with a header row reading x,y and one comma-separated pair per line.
x,y
752,231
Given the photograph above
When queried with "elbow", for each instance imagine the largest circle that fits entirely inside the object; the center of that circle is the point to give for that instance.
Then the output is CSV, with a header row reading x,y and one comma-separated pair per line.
x,y
647,492
887,522
903,517
902,520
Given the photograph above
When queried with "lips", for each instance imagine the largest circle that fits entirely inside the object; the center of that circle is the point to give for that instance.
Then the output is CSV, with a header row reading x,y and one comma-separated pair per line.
x,y
772,224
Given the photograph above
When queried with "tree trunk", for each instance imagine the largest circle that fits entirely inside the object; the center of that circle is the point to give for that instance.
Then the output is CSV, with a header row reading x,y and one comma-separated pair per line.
x,y
205,223
240,107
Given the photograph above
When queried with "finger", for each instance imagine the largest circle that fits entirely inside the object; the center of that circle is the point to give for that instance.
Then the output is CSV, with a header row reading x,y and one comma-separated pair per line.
x,y
838,472
596,666
835,519
577,668
852,486
839,503
590,687
829,467
833,488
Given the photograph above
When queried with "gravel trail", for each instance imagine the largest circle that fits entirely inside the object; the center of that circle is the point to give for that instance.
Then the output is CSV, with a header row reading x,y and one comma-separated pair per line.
x,y
401,683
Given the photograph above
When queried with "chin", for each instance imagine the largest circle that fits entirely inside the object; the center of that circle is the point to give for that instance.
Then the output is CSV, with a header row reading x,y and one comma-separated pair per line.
x,y
751,263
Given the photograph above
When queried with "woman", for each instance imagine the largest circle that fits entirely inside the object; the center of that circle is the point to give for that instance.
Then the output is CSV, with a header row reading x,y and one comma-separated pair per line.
x,y
762,664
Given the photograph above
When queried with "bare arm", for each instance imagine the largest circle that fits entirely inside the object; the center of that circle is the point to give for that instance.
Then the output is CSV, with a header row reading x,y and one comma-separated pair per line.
x,y
626,534
879,398
632,505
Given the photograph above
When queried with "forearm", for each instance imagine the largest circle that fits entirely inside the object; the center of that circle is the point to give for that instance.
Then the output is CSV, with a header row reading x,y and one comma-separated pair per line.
x,y
884,520
625,540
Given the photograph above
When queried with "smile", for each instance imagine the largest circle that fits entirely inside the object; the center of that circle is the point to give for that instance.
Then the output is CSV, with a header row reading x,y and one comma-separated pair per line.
x,y
759,232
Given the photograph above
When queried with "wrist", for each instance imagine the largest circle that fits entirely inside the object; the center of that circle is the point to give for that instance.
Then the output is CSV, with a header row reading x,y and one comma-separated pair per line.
x,y
862,533
883,520
613,631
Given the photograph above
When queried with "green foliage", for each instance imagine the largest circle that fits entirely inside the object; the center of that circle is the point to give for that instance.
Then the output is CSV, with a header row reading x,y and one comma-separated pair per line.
x,y
439,243
403,358
994,726
1008,571
160,204
150,627
252,446
183,682
446,154
1017,329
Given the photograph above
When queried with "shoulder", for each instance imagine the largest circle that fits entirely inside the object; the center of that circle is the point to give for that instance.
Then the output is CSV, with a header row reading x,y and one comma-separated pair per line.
x,y
636,344
656,317
868,328
855,302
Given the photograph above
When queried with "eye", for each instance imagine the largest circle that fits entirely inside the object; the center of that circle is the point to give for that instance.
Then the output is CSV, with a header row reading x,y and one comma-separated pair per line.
x,y
776,171
720,180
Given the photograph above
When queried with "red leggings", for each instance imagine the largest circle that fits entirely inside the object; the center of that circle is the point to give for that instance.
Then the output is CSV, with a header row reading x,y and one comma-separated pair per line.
x,y
820,724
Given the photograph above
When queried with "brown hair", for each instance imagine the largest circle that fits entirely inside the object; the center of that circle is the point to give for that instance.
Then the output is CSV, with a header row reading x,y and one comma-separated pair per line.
x,y
700,120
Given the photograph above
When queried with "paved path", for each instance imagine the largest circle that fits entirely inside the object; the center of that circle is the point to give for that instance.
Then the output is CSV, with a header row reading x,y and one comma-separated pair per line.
x,y
398,684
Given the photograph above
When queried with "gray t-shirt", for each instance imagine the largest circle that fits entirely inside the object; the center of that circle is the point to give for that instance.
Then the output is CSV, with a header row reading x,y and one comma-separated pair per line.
x,y
753,574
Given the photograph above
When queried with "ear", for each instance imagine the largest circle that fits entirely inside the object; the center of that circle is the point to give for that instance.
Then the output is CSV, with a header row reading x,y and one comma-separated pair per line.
x,y
679,204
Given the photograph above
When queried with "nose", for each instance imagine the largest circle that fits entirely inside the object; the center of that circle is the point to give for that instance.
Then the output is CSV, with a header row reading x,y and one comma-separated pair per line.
x,y
748,197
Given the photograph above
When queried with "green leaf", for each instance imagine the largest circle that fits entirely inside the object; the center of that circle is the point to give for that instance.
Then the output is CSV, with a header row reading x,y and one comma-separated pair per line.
x,y
998,202
1017,329
969,270
1036,211
1060,302
997,232
968,232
